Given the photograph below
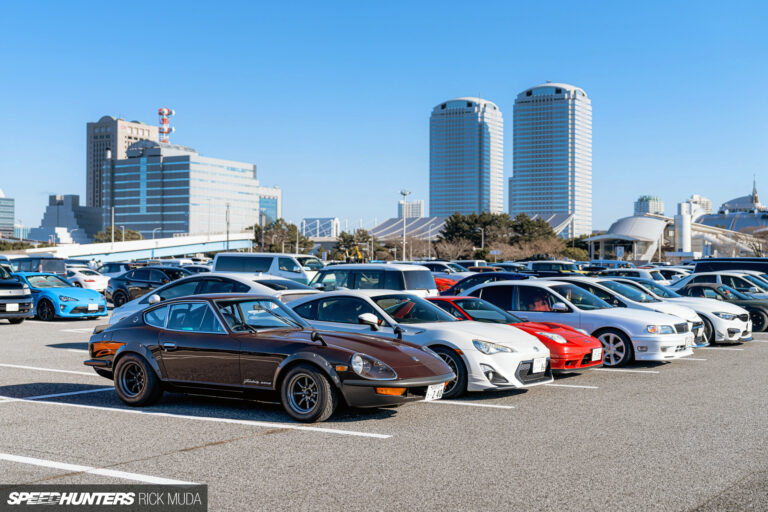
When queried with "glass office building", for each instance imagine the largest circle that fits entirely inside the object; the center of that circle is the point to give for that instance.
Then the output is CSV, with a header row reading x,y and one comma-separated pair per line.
x,y
168,189
466,157
7,216
552,165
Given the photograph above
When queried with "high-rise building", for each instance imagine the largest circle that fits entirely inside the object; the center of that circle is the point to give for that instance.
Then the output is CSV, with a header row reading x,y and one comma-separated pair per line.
x,y
409,210
7,215
466,157
649,204
271,203
168,189
113,134
552,165
703,206
65,221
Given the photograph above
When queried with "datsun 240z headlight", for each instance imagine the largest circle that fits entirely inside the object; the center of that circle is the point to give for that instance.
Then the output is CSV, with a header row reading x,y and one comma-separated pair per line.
x,y
64,298
486,347
725,316
553,337
660,329
371,368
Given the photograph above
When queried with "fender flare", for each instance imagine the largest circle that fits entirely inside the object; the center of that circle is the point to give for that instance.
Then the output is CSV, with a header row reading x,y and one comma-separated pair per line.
x,y
308,357
141,351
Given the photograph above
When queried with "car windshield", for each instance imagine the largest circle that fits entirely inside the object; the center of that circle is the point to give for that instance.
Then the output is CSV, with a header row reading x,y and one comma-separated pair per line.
x,y
87,272
483,311
732,294
657,276
47,282
176,273
309,262
419,280
407,309
580,297
4,274
456,267
759,283
661,291
628,292
282,284
246,315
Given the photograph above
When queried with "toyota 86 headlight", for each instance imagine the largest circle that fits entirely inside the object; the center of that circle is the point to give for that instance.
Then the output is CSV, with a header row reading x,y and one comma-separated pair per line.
x,y
64,298
486,347
371,368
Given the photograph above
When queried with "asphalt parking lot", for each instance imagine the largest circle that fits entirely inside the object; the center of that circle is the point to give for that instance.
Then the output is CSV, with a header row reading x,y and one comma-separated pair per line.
x,y
686,435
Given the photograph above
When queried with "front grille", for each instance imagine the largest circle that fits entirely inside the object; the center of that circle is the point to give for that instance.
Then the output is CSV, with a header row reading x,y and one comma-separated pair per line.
x,y
84,309
744,317
681,328
24,307
587,359
525,376
680,348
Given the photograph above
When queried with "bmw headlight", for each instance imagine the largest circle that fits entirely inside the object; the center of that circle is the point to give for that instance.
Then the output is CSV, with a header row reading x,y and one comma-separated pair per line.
x,y
371,368
553,337
64,298
660,329
486,347
724,315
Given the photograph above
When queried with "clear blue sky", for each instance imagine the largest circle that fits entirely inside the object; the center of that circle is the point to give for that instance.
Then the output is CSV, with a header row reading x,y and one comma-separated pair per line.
x,y
332,99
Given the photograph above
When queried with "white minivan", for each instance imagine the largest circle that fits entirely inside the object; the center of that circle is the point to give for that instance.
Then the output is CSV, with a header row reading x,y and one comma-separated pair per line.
x,y
276,264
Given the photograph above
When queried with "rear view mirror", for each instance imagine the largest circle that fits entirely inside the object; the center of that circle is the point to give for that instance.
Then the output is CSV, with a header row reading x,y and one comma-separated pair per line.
x,y
297,269
559,307
154,298
319,286
369,319
754,289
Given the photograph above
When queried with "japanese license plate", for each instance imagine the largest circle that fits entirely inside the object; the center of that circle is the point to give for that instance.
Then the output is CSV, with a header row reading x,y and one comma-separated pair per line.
x,y
539,365
11,306
93,307
597,354
434,392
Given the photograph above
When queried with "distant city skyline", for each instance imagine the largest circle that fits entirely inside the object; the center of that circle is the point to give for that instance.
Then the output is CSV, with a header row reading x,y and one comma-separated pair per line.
x,y
331,103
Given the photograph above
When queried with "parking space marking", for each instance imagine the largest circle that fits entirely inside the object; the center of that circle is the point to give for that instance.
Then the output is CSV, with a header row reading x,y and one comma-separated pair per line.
x,y
691,359
77,468
254,423
758,341
571,386
722,348
623,370
78,350
90,374
460,402
81,330
56,395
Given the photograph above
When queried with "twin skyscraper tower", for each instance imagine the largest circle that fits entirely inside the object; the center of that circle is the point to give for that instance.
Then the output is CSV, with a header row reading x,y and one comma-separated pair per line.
x,y
552,157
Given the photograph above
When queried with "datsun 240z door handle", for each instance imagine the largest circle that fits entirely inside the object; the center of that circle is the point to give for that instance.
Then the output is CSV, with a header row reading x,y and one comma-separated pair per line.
x,y
169,346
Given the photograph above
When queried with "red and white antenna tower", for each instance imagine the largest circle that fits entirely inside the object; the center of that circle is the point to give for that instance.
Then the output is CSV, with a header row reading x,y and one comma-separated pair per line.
x,y
165,129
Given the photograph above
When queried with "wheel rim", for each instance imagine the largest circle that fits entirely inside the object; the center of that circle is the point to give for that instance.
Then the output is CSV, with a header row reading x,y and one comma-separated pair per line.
x,y
757,321
450,362
614,348
303,393
45,310
119,300
132,379
708,331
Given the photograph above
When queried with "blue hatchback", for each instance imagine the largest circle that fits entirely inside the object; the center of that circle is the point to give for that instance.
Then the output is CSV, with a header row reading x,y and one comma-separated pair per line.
x,y
56,297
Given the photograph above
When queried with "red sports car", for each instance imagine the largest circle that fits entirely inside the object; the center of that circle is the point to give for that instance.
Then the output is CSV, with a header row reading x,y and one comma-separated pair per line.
x,y
570,349
443,283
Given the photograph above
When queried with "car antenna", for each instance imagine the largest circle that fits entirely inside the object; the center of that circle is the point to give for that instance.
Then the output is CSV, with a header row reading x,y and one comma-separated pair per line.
x,y
316,336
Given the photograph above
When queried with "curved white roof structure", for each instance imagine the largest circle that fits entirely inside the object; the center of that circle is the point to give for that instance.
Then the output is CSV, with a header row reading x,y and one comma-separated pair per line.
x,y
461,103
544,89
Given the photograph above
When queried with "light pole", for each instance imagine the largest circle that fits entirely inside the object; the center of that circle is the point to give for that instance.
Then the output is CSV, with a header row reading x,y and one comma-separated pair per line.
x,y
482,238
403,193
153,232
71,232
261,223
123,229
21,230
227,226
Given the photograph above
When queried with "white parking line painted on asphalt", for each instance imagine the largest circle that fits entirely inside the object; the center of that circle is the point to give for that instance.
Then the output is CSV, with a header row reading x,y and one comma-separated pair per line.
x,y
77,330
78,350
90,374
77,468
471,404
758,341
264,424
690,359
56,395
722,348
623,370
572,386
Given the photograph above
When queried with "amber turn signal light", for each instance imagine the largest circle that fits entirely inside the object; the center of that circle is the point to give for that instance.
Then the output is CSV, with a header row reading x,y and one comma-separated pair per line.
x,y
390,391
105,348
342,368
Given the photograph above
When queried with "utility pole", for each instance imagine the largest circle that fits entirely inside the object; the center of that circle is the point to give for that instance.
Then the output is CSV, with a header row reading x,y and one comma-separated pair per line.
x,y
482,238
227,226
261,221
113,225
123,229
404,193
297,240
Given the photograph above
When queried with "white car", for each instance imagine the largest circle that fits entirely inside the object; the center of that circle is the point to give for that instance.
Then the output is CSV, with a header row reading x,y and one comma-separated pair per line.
x,y
87,278
482,355
114,269
376,276
652,273
723,322
620,295
625,333
740,281
285,290
446,270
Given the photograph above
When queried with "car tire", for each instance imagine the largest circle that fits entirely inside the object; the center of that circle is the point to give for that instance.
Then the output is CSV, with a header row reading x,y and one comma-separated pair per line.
x,y
78,285
709,331
119,298
759,320
307,394
617,348
45,311
458,386
15,321
136,383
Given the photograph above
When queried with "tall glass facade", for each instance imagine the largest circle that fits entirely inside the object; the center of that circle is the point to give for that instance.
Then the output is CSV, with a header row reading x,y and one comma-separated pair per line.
x,y
552,170
466,157
171,189
7,214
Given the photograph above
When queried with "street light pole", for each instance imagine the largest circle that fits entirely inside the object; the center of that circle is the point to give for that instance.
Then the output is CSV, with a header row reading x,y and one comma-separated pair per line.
x,y
482,239
403,193
227,226
123,228
153,232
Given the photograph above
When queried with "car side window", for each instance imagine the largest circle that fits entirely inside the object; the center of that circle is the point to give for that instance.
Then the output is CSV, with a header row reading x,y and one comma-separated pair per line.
x,y
369,279
307,310
287,265
178,290
449,308
531,298
193,317
334,279
711,294
704,279
221,286
141,274
157,276
499,296
343,310
156,317
736,282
